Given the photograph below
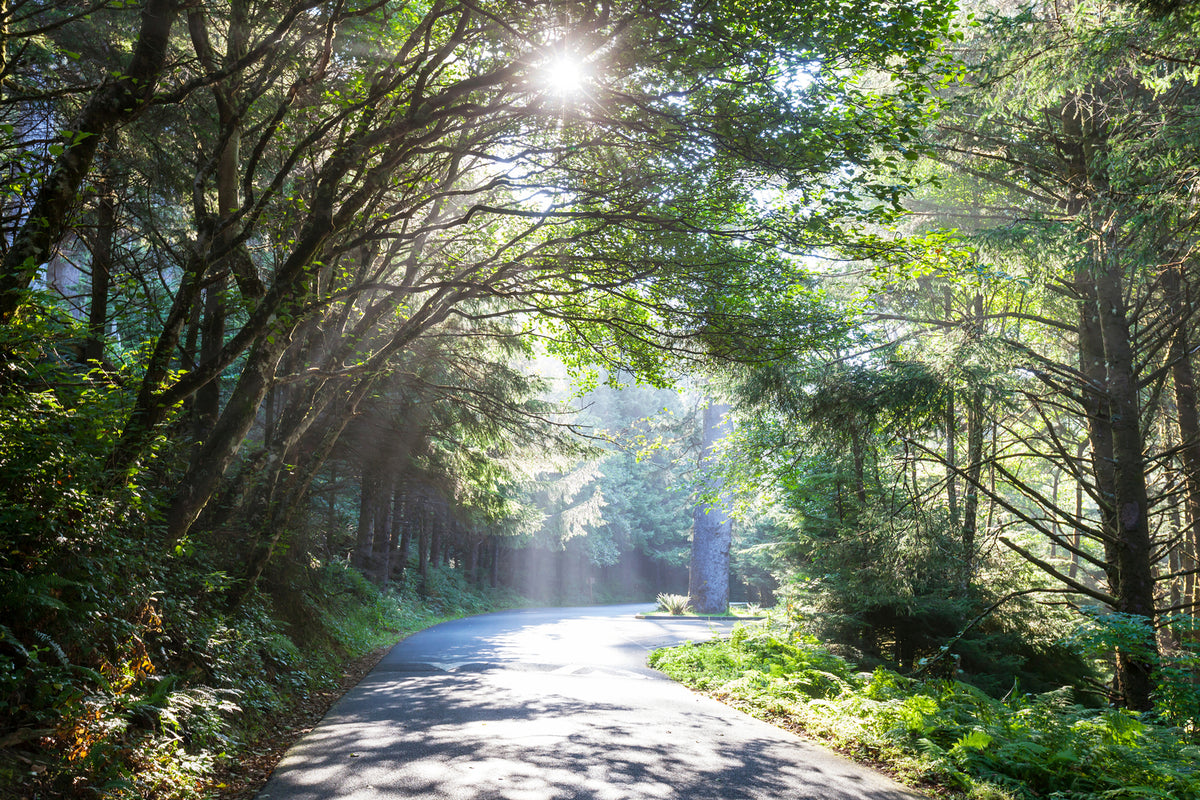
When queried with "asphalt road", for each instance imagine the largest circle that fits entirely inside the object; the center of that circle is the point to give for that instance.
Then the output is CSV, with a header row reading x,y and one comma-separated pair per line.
x,y
552,704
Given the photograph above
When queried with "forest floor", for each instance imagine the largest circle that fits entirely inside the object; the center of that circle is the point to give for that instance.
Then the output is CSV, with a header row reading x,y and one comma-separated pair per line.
x,y
244,774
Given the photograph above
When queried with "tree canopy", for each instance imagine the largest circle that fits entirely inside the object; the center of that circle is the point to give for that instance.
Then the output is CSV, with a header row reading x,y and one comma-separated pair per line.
x,y
278,279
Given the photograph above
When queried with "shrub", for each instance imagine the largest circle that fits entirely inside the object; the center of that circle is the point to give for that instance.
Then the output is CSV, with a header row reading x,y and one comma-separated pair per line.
x,y
945,731
675,604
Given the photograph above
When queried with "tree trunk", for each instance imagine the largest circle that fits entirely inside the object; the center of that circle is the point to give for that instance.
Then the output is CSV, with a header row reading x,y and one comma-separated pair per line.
x,y
974,465
951,436
385,527
470,559
102,264
402,513
368,489
217,452
1098,412
207,404
423,538
226,94
1076,536
1188,420
435,539
859,457
712,527
331,513
1135,578
116,101
495,576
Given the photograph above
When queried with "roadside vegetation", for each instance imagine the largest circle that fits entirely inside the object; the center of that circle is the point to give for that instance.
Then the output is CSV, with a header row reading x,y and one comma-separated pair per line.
x,y
679,605
897,304
942,734
158,697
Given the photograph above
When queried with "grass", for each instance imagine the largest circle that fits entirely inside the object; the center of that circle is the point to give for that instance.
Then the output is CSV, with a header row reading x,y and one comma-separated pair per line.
x,y
943,734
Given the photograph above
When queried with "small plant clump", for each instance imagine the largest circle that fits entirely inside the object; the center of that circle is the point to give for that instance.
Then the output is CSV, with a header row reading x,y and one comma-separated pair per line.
x,y
674,604
941,732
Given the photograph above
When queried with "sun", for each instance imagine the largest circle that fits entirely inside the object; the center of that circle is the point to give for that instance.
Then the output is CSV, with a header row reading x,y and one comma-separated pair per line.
x,y
565,75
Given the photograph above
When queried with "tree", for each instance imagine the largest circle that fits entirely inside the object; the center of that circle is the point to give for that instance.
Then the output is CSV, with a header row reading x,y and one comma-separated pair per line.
x,y
712,525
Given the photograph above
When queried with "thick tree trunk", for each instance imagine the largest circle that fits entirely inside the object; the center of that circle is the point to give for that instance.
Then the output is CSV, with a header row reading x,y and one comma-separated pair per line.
x,y
1135,578
1099,422
712,526
1110,394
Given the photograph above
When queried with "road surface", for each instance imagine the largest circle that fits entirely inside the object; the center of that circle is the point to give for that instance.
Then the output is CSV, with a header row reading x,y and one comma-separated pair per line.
x,y
552,704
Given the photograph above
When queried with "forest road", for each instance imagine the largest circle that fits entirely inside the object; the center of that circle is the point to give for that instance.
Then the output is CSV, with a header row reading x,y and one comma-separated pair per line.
x,y
551,704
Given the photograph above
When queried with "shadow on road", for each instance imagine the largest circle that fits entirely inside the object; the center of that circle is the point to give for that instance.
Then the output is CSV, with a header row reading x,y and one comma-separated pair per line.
x,y
537,735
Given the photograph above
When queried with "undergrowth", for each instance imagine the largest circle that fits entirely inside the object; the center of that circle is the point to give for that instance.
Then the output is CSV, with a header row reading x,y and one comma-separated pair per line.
x,y
123,671
144,698
944,733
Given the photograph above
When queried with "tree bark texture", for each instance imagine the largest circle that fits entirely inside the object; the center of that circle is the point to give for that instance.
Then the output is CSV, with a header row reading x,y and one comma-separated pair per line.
x,y
1135,588
712,526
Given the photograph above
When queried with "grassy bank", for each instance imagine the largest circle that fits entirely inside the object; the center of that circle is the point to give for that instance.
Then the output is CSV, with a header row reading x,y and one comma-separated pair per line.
x,y
943,735
166,698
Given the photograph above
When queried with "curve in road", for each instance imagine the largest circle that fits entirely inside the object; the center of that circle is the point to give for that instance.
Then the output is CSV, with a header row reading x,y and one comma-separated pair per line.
x,y
552,704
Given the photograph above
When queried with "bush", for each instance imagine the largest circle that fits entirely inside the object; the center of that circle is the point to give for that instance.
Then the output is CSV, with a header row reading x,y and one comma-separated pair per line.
x,y
945,731
137,686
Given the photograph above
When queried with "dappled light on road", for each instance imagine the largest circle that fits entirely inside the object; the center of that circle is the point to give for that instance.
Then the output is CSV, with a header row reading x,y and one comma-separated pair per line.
x,y
502,725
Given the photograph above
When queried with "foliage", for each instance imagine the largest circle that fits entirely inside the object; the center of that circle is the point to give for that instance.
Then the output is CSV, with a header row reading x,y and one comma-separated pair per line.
x,y
675,604
1176,693
140,685
943,732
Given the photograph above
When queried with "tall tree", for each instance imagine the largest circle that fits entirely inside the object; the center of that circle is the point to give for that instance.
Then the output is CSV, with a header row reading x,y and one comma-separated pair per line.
x,y
712,523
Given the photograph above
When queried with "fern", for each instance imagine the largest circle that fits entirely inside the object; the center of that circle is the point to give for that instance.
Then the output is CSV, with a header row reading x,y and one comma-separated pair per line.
x,y
6,635
53,647
675,604
947,732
